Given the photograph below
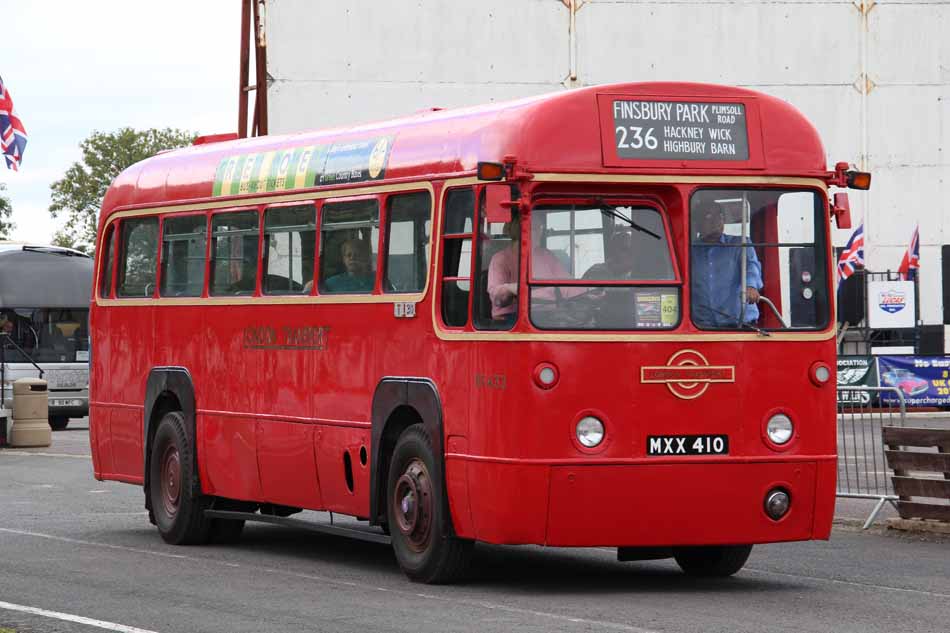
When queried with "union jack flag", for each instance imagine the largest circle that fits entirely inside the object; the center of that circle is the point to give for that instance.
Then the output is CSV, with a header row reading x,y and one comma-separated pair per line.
x,y
911,262
852,255
12,132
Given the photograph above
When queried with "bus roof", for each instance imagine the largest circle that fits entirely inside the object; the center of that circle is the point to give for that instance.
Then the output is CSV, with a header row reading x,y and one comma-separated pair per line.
x,y
44,277
566,132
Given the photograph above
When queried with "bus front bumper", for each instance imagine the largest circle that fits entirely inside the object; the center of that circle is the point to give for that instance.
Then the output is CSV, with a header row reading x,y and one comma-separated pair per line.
x,y
640,503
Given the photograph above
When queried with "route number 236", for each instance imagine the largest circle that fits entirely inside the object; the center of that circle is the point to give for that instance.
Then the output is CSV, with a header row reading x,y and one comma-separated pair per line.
x,y
637,138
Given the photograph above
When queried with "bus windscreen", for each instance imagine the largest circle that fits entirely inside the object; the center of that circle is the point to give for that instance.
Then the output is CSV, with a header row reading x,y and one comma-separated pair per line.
x,y
46,335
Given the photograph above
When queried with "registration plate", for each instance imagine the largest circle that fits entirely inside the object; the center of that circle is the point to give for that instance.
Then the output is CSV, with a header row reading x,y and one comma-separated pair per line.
x,y
687,445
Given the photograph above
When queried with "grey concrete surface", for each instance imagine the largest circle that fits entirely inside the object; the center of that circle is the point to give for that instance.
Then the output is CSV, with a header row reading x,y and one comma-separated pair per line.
x,y
72,545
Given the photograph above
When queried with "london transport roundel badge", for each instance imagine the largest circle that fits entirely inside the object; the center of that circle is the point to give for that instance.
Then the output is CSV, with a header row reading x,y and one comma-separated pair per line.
x,y
378,158
687,374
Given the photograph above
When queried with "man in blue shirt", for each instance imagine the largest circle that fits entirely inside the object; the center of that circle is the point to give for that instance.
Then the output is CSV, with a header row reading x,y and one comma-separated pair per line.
x,y
716,271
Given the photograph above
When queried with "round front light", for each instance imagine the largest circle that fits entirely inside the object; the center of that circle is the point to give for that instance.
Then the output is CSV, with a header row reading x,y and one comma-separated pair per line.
x,y
590,431
777,503
822,373
780,428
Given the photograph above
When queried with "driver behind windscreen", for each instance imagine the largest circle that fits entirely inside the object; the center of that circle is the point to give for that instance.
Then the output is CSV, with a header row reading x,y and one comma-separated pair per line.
x,y
716,271
503,271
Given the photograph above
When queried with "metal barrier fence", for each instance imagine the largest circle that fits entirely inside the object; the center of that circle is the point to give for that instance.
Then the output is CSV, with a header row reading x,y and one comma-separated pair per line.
x,y
862,468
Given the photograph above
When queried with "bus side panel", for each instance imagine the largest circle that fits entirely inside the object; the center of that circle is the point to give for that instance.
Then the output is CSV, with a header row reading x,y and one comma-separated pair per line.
x,y
341,387
223,391
281,387
287,464
100,441
129,372
343,492
228,447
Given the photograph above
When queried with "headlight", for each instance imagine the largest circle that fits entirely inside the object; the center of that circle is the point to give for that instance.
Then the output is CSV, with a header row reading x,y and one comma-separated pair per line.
x,y
590,431
780,428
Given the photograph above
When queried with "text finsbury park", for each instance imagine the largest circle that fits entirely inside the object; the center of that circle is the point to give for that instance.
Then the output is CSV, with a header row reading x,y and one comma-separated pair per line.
x,y
680,130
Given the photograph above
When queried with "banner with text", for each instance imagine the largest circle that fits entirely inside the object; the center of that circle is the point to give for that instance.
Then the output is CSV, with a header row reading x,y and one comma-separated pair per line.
x,y
923,380
857,371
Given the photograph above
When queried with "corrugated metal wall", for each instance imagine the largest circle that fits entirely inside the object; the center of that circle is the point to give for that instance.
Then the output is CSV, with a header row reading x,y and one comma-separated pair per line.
x,y
874,77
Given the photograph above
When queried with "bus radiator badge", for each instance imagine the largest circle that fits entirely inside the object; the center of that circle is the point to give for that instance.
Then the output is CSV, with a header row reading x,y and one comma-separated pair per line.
x,y
687,374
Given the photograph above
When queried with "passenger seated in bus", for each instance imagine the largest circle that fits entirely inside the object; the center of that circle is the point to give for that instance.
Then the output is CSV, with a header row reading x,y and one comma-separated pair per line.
x,y
503,271
716,271
357,275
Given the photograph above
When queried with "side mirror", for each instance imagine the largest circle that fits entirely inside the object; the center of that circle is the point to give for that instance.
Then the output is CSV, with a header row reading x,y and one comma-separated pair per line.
x,y
498,203
841,209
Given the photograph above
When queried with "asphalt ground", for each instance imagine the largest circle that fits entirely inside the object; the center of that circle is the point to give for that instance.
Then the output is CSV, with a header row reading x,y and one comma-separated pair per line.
x,y
82,556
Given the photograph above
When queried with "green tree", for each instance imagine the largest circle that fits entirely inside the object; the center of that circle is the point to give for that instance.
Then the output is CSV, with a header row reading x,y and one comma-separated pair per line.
x,y
6,212
77,196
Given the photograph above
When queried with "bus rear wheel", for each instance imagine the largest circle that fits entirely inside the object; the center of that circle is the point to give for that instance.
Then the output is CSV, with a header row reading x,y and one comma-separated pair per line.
x,y
712,561
418,513
176,500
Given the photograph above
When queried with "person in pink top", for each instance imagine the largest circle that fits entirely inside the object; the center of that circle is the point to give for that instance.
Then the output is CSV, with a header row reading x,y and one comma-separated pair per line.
x,y
503,271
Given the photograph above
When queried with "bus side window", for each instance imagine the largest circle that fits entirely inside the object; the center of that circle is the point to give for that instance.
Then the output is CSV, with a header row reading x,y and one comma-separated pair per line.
x,y
139,255
105,278
234,252
183,256
457,233
349,243
289,238
407,242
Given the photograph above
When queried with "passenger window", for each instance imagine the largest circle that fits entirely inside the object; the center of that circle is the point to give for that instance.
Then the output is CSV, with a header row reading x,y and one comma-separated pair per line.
x,y
234,252
407,244
105,280
457,256
289,240
139,252
184,241
349,238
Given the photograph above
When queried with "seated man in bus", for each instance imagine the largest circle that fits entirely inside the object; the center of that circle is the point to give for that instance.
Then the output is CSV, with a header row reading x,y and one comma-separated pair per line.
x,y
619,259
716,272
357,275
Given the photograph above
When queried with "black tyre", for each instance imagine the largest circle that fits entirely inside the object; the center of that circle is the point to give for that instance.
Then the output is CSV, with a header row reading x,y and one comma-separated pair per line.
x,y
712,561
58,422
418,513
177,503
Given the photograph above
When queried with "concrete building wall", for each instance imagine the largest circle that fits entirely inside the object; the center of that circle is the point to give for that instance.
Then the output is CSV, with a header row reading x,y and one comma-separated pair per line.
x,y
874,77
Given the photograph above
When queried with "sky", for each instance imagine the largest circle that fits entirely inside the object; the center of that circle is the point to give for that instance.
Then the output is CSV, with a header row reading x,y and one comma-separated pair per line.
x,y
73,68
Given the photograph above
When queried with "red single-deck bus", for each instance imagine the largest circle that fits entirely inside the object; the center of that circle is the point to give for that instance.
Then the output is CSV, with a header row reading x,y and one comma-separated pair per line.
x,y
602,317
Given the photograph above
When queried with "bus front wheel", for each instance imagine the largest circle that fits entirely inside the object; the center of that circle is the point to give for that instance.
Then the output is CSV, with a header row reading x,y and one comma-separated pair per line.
x,y
177,504
418,513
712,561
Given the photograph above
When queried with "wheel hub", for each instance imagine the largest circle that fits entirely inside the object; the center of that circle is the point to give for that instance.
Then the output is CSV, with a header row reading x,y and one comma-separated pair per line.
x,y
171,480
412,499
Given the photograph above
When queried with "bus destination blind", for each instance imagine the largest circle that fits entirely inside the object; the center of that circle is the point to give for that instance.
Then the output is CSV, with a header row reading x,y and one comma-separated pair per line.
x,y
680,130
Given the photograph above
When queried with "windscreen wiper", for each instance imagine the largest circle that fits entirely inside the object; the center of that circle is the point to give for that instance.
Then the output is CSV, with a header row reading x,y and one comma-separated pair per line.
x,y
612,211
